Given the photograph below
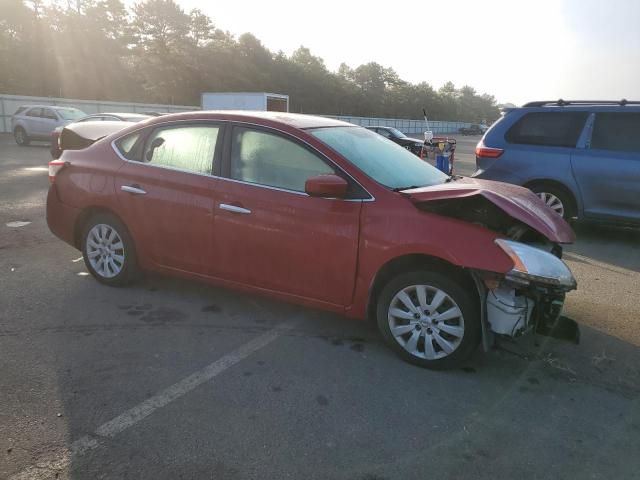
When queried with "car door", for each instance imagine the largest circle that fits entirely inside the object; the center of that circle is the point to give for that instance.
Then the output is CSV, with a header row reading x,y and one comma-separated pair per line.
x,y
48,122
607,170
270,234
166,191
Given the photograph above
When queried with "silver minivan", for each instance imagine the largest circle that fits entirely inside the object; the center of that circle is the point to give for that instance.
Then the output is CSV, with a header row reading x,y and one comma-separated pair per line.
x,y
36,122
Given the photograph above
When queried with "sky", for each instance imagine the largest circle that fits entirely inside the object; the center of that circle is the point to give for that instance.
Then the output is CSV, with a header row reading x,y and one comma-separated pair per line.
x,y
518,50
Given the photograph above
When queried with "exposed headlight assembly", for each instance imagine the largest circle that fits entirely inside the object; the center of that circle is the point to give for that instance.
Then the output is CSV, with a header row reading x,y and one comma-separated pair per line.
x,y
532,265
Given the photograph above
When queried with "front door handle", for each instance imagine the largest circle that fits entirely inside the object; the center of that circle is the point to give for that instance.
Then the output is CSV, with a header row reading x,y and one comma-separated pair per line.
x,y
136,190
234,208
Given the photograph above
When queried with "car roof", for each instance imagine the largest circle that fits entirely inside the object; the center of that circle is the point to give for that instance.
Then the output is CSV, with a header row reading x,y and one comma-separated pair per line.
x,y
119,114
260,117
580,106
55,107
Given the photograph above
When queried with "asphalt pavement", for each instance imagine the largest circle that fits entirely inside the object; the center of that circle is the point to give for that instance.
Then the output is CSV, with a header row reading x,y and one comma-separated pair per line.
x,y
176,379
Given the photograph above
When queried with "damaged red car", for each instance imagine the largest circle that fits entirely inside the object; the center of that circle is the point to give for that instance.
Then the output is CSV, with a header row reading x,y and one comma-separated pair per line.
x,y
317,212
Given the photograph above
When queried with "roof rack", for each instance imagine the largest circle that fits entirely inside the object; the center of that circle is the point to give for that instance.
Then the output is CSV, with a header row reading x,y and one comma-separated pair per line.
x,y
563,103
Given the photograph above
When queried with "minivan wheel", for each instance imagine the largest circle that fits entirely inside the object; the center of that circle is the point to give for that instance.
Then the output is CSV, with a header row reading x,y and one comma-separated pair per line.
x,y
21,136
428,319
108,250
556,199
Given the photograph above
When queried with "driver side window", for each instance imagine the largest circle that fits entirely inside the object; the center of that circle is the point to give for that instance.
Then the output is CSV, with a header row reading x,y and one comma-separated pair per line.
x,y
271,160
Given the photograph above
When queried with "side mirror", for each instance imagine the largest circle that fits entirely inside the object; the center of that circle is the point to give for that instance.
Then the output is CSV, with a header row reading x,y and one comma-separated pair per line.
x,y
326,186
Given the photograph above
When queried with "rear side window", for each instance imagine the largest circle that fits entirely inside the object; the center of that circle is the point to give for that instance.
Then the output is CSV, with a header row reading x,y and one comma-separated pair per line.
x,y
553,129
618,132
34,112
49,114
189,148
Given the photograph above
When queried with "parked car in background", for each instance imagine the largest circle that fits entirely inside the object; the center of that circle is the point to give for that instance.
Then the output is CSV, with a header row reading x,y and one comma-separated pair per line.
x,y
473,129
36,122
96,117
318,212
412,144
582,158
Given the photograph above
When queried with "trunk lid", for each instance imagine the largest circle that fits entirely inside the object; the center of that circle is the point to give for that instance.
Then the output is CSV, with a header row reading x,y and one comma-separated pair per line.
x,y
80,135
517,202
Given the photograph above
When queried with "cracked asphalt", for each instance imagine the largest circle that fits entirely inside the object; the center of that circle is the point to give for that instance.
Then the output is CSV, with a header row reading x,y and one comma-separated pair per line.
x,y
176,379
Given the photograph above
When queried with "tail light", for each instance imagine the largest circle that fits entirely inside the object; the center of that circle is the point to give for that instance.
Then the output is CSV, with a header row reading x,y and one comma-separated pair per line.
x,y
482,151
54,168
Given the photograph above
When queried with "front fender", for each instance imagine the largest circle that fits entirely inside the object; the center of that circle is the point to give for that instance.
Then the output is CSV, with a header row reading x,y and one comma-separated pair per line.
x,y
388,235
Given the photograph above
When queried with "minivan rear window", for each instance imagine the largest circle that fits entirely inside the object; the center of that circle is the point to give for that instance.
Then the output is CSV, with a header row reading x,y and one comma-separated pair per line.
x,y
553,129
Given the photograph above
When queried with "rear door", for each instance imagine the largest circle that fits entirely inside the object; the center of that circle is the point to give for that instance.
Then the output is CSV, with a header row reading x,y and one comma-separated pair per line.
x,y
166,191
48,122
270,234
608,168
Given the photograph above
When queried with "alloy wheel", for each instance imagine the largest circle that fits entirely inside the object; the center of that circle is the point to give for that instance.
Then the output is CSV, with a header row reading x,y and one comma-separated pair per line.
x,y
552,202
426,322
105,250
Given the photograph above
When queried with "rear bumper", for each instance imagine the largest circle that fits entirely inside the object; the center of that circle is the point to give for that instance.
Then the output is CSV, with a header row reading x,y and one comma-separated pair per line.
x,y
61,218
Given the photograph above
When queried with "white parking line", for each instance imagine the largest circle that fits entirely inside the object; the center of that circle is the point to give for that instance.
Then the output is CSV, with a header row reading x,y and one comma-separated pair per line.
x,y
49,467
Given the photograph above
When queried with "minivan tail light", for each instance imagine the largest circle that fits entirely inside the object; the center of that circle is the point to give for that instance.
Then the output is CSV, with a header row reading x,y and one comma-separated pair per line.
x,y
54,168
482,151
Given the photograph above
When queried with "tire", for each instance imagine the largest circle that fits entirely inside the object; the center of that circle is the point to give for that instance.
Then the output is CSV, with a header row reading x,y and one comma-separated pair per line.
x,y
108,250
462,319
21,137
556,198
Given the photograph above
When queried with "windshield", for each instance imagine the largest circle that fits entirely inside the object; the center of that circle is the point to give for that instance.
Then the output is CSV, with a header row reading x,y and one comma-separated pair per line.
x,y
385,162
70,113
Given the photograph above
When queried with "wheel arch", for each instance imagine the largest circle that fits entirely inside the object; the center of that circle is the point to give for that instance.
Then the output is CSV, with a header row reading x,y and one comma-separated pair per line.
x,y
409,263
84,217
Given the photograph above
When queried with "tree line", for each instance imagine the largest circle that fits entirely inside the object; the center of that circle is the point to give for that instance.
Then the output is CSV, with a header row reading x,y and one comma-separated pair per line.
x,y
156,52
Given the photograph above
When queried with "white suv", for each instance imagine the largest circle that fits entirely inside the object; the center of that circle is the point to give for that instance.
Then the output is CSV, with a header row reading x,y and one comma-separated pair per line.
x,y
36,122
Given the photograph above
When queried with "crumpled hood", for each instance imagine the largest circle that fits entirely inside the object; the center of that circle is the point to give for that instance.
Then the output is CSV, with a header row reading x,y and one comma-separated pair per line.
x,y
517,202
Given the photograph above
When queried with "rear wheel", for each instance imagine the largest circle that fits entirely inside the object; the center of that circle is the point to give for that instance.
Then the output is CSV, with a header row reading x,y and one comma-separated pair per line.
x,y
429,319
556,198
108,250
21,136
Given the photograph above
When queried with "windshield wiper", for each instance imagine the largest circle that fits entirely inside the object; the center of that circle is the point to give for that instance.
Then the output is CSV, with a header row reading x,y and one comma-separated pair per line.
x,y
399,189
453,178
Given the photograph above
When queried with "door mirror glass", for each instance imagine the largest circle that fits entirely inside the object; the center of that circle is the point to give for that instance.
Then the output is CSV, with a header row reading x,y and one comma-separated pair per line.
x,y
326,186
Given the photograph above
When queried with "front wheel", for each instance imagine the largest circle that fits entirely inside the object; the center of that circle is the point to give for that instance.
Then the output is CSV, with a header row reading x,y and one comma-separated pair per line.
x,y
108,250
429,319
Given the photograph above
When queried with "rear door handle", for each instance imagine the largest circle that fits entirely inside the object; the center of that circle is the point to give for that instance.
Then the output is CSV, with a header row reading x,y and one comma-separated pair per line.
x,y
234,208
133,189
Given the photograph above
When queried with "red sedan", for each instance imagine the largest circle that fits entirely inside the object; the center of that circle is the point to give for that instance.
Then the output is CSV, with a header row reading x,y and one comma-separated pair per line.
x,y
317,212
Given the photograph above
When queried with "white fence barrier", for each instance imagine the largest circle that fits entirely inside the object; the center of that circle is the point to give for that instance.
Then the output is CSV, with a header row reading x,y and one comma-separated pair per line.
x,y
10,103
409,127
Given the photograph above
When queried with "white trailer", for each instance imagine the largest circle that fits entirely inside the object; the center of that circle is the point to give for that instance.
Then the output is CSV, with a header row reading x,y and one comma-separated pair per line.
x,y
271,102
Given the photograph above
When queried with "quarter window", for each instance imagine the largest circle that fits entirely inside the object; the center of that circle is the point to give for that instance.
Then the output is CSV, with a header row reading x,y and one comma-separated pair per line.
x,y
271,160
553,129
618,132
189,148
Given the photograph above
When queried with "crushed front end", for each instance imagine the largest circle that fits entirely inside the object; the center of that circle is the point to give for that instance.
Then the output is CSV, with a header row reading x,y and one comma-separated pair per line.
x,y
530,297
